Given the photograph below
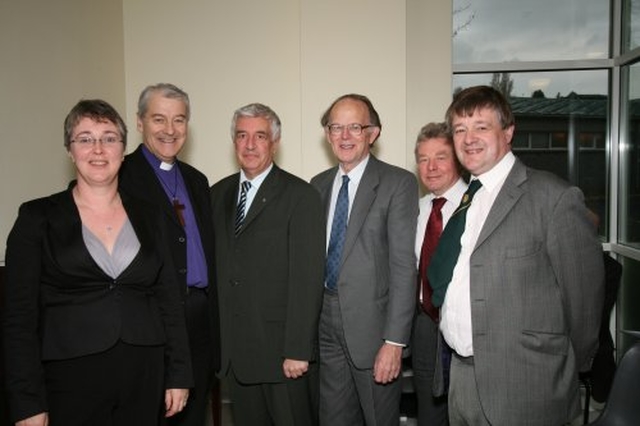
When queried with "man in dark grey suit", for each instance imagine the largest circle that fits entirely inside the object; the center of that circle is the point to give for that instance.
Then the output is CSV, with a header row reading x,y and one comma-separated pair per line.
x,y
270,256
370,279
522,307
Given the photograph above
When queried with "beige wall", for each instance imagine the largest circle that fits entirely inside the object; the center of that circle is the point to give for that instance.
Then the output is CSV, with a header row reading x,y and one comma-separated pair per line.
x,y
52,53
294,55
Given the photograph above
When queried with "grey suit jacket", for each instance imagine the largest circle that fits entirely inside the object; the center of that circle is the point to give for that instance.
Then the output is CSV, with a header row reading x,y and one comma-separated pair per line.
x,y
536,295
377,281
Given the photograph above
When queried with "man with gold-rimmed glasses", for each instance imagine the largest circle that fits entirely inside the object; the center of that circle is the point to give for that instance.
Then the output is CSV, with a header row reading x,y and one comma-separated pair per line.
x,y
369,297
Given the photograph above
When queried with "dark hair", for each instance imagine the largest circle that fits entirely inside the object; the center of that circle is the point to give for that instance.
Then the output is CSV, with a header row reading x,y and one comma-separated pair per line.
x,y
257,111
466,102
97,110
166,90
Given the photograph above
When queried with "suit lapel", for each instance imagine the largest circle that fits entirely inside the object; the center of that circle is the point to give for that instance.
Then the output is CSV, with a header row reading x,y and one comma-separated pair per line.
x,y
365,196
147,182
230,201
268,190
324,185
505,201
66,231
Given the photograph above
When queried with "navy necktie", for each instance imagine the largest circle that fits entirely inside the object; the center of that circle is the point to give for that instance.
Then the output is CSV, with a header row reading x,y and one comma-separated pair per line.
x,y
241,206
446,256
338,232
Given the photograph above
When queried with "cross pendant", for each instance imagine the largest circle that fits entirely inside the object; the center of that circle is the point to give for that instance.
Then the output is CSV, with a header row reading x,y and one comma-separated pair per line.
x,y
179,207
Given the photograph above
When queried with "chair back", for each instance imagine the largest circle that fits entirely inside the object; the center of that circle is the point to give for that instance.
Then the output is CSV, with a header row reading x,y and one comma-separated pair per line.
x,y
623,405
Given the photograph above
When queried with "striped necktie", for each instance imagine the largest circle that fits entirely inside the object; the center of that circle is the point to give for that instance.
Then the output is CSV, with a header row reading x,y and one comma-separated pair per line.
x,y
240,213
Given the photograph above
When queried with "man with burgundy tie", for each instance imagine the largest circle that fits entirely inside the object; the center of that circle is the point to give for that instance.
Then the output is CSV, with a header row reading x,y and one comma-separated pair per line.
x,y
520,282
154,173
439,171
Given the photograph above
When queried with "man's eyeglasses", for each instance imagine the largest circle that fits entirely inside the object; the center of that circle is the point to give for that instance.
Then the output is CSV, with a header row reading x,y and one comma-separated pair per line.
x,y
86,140
354,129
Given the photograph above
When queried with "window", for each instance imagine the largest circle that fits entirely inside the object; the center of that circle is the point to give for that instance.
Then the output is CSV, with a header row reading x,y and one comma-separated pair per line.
x,y
561,125
493,31
571,70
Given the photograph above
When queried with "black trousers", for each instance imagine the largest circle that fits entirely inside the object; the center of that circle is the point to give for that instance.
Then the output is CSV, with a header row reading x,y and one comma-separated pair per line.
x,y
290,403
198,319
119,387
432,411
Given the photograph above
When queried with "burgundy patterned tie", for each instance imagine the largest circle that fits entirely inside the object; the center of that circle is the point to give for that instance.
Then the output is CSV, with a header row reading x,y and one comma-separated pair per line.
x,y
429,243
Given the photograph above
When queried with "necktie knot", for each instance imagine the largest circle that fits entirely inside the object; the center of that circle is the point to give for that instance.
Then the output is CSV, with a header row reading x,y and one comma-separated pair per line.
x,y
438,203
474,186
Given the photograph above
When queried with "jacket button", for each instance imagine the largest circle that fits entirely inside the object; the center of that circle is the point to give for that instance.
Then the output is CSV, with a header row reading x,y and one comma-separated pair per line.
x,y
182,239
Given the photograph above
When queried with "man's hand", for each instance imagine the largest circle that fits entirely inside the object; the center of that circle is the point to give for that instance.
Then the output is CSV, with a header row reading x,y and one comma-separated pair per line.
x,y
388,363
175,400
294,368
41,419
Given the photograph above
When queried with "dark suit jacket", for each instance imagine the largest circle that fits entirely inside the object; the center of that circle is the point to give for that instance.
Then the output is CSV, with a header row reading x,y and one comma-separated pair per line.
x,y
536,298
138,178
377,282
61,305
270,275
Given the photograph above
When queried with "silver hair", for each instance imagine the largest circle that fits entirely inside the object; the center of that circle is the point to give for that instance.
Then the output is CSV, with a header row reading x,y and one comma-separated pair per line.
x,y
257,110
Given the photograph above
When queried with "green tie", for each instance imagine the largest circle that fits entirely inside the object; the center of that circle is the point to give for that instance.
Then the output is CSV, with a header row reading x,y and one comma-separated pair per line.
x,y
446,256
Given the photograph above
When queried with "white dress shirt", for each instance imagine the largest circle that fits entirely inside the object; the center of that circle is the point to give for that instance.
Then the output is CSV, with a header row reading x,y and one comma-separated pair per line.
x,y
355,176
255,186
455,314
453,196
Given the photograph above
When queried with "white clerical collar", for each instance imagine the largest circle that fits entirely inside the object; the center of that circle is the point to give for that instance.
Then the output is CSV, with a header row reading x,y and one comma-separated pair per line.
x,y
166,166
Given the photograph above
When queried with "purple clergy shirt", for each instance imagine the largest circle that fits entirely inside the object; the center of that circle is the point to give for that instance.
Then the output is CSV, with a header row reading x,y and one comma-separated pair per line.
x,y
173,184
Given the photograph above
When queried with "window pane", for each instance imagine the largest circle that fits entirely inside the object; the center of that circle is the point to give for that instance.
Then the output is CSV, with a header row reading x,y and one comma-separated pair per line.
x,y
559,140
542,30
627,308
540,140
629,219
561,125
631,24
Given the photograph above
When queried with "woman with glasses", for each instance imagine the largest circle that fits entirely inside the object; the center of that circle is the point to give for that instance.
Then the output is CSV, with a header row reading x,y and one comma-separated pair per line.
x,y
94,330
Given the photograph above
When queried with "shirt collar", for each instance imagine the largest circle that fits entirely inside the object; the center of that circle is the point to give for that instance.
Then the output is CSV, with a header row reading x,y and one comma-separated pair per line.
x,y
356,173
454,193
256,181
155,162
494,178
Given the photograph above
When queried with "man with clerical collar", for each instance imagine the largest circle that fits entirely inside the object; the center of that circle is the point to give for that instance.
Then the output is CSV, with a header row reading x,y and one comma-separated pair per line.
x,y
154,173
